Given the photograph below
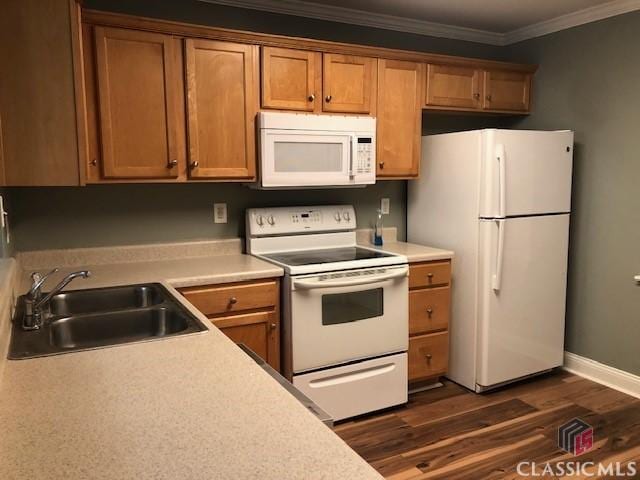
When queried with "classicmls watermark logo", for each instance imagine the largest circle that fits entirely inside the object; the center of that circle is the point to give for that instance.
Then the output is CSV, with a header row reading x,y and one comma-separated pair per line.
x,y
575,437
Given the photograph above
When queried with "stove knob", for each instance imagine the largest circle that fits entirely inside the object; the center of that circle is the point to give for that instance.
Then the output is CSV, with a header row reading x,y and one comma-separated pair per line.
x,y
337,216
271,220
346,216
260,220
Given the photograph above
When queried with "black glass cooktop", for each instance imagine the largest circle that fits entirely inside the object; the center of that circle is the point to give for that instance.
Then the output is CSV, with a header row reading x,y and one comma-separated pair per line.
x,y
326,255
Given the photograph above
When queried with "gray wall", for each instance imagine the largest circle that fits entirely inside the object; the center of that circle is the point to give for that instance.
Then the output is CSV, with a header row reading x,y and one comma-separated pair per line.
x,y
588,81
128,214
99,215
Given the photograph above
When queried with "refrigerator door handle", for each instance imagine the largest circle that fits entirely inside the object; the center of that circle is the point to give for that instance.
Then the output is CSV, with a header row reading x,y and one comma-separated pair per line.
x,y
497,276
502,179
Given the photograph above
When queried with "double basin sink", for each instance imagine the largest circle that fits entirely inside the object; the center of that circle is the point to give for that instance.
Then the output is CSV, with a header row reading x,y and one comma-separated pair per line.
x,y
102,317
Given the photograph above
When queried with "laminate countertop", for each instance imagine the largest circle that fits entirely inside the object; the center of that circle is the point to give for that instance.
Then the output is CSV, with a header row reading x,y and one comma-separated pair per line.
x,y
191,407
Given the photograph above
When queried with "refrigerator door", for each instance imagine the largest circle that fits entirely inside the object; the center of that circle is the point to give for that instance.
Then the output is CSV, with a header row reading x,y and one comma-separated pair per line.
x,y
525,173
522,287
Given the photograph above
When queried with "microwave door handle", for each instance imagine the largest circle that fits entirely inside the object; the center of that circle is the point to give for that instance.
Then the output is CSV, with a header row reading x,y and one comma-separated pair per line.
x,y
352,145
311,284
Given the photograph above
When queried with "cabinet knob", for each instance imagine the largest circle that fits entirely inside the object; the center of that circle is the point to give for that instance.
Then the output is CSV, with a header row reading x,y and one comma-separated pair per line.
x,y
328,98
428,356
194,164
430,277
429,311
172,164
93,162
488,97
476,96
233,301
381,164
312,97
273,326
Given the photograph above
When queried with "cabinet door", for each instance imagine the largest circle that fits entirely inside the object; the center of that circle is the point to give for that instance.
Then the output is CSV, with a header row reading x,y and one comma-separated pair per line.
x,y
399,118
258,331
291,79
452,86
348,83
506,90
138,83
221,109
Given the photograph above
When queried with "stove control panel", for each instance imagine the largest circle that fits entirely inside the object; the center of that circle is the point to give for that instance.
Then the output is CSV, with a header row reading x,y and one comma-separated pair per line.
x,y
292,220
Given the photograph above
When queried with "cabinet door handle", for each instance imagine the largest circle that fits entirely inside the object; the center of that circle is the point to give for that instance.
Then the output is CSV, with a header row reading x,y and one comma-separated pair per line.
x,y
195,164
381,164
476,96
328,98
312,97
273,326
488,97
172,164
429,311
93,162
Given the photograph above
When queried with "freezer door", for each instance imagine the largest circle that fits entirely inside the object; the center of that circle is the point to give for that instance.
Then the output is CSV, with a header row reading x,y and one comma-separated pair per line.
x,y
522,290
525,173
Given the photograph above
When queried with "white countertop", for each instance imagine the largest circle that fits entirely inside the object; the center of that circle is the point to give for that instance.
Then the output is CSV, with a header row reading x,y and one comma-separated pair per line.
x,y
414,252
192,407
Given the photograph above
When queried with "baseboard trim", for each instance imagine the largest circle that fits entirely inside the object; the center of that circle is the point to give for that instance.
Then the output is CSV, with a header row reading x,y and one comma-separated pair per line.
x,y
598,372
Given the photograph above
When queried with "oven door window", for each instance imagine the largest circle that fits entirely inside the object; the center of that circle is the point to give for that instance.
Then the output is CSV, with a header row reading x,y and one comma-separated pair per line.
x,y
350,307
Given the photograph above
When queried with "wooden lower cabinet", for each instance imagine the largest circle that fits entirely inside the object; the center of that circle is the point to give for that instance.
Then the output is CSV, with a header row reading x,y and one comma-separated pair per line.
x,y
259,331
428,356
429,310
247,312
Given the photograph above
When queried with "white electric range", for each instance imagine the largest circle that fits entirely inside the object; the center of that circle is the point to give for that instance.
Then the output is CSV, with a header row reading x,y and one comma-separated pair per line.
x,y
345,308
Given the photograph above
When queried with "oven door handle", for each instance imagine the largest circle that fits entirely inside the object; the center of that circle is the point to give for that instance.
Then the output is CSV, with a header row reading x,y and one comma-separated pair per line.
x,y
310,284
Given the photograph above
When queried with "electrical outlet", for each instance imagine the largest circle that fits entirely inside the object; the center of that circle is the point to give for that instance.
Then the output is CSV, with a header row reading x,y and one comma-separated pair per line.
x,y
384,206
220,213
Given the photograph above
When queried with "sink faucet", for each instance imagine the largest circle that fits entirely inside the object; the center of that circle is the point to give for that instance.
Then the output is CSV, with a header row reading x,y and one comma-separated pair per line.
x,y
34,301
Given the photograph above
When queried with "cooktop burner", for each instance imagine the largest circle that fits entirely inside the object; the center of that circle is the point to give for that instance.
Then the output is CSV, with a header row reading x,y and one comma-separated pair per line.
x,y
326,255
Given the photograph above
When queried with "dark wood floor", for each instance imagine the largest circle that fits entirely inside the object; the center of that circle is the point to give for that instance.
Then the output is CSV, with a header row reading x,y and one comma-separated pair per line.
x,y
450,433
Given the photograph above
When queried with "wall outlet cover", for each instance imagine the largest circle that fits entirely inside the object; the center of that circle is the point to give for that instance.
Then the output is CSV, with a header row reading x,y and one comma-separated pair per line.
x,y
220,213
384,206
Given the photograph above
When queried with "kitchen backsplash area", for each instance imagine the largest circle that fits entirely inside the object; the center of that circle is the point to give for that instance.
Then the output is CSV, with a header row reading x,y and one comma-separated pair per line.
x,y
103,215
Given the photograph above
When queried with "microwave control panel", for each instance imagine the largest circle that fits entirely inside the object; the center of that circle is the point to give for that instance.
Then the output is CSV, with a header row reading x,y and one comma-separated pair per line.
x,y
364,163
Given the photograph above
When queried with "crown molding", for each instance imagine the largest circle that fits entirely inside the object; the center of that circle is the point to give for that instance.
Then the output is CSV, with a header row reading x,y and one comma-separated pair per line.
x,y
352,16
574,19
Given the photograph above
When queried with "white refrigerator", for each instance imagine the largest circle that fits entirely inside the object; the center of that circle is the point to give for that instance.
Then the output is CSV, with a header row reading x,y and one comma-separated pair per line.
x,y
501,199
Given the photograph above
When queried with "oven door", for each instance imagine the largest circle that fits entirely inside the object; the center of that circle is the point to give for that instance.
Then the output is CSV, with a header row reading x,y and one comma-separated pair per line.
x,y
345,316
290,158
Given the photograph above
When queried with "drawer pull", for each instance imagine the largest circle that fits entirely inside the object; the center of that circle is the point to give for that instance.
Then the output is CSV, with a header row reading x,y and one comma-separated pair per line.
x,y
429,311
429,357
430,277
233,301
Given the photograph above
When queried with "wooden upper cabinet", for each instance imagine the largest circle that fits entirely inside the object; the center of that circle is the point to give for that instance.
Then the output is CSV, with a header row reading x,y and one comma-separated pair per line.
x,y
138,84
348,84
222,92
453,86
399,118
506,90
291,79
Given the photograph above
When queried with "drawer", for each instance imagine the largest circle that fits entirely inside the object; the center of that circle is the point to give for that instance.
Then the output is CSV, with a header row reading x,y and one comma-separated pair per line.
x,y
430,274
428,356
429,310
233,297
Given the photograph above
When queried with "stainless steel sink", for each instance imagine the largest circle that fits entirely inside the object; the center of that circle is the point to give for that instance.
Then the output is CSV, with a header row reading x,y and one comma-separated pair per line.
x,y
103,317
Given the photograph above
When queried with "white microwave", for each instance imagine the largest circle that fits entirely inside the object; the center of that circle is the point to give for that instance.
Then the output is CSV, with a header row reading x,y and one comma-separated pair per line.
x,y
314,151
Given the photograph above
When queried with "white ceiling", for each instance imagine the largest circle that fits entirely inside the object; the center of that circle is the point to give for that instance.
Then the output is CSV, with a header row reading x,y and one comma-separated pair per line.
x,y
497,22
499,16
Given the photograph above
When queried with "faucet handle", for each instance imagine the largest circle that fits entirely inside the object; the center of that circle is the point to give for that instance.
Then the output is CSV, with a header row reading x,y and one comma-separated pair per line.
x,y
38,280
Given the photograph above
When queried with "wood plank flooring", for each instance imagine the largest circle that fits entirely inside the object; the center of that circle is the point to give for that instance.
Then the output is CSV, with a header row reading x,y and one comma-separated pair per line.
x,y
451,433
